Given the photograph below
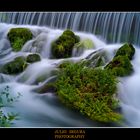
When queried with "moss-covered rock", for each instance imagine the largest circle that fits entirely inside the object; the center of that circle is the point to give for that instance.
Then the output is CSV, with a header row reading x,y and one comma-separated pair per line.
x,y
88,90
62,47
81,46
86,43
16,66
126,49
31,58
18,37
120,66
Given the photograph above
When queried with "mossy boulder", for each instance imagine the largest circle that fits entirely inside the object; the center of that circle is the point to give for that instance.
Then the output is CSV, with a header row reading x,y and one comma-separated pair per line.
x,y
16,66
86,43
18,37
82,45
31,58
120,66
90,91
127,49
63,46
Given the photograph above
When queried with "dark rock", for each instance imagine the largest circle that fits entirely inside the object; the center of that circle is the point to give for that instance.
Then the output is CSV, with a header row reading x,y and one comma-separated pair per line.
x,y
16,66
31,58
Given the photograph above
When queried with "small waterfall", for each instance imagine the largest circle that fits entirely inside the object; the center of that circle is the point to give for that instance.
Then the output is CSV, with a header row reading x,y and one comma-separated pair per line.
x,y
106,30
41,110
111,26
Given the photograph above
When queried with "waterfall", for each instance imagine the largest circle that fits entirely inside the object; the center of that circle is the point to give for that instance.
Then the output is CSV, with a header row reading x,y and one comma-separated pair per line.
x,y
108,31
111,26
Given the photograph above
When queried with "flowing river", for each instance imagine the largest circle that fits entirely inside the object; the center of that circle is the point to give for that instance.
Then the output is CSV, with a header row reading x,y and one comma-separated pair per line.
x,y
45,110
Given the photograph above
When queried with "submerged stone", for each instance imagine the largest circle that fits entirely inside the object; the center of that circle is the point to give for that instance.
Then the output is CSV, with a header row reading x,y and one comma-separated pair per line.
x,y
47,87
96,59
38,44
31,58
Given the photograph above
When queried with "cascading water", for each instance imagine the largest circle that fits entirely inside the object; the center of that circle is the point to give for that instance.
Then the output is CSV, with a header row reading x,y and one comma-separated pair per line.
x,y
45,110
112,27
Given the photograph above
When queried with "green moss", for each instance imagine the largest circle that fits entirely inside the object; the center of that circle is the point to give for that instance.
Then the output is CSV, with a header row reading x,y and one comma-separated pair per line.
x,y
18,37
100,62
86,43
69,33
62,47
64,64
120,66
14,67
126,49
88,90
33,58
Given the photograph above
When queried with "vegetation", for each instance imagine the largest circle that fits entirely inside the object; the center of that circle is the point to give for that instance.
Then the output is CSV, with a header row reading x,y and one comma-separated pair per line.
x,y
84,86
89,90
18,37
14,67
86,43
33,58
127,50
62,47
120,66
19,64
6,119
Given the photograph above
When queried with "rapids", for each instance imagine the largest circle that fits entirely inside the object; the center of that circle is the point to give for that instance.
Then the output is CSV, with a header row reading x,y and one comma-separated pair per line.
x,y
45,110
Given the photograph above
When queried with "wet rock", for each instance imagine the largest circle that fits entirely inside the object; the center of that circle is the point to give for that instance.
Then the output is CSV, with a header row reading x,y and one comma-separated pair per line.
x,y
37,45
31,58
48,86
127,50
63,46
81,46
18,37
120,66
16,66
96,59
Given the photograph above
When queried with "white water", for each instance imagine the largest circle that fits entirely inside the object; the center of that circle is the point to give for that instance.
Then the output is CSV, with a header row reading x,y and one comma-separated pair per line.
x,y
45,110
112,26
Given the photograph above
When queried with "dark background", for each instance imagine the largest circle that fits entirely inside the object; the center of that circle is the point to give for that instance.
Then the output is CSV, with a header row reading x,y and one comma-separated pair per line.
x,y
69,5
